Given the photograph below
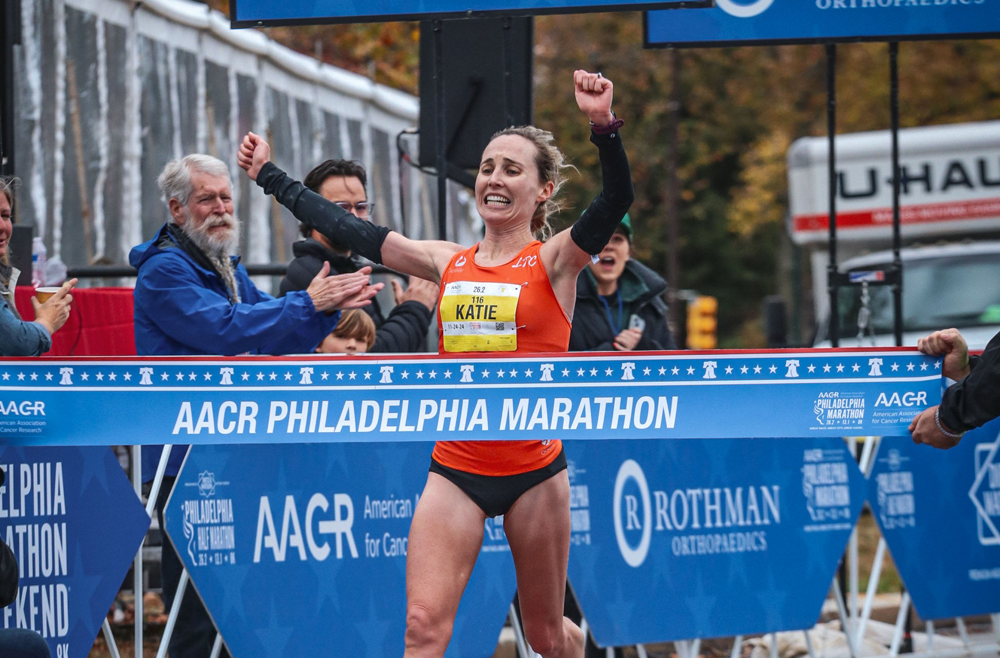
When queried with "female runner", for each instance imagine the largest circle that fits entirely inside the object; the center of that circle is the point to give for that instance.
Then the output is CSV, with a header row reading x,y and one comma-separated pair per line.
x,y
530,288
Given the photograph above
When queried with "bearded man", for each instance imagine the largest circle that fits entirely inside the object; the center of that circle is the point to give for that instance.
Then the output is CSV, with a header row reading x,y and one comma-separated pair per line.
x,y
192,297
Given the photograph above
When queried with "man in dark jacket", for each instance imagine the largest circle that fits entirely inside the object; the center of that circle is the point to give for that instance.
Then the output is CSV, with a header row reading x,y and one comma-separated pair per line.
x,y
192,297
405,329
619,302
16,642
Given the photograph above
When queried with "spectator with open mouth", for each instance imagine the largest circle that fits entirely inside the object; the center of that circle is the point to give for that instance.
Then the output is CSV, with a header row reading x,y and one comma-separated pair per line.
x,y
619,302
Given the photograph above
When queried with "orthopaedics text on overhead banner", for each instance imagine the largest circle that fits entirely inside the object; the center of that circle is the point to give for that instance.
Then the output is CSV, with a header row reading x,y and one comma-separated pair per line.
x,y
747,22
574,396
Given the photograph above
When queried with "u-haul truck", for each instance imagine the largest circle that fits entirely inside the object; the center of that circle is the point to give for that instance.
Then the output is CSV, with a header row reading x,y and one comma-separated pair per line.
x,y
950,227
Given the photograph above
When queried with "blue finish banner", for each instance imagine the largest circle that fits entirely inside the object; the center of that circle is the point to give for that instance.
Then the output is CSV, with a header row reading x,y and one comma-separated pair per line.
x,y
940,514
301,550
674,540
248,13
748,22
574,396
74,524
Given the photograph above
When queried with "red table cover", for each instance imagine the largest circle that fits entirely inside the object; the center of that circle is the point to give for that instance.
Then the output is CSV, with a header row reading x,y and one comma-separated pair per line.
x,y
100,322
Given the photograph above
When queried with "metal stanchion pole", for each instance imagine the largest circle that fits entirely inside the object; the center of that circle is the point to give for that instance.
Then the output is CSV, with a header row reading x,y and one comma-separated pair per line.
x,y
137,565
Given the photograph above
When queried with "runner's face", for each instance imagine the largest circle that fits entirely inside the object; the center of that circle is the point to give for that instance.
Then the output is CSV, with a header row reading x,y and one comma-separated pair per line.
x,y
507,187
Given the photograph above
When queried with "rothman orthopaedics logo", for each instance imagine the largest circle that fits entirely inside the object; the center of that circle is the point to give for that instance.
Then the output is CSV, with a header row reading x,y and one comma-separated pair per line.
x,y
630,470
743,10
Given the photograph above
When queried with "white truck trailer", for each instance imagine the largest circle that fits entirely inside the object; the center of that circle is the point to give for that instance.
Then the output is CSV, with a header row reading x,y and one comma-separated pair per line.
x,y
950,227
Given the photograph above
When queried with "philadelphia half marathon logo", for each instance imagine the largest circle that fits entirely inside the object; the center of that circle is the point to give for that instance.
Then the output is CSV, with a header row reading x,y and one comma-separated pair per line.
x,y
208,524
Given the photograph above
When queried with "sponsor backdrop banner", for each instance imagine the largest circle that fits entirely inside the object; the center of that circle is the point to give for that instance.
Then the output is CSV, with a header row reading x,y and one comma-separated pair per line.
x,y
246,13
940,514
679,539
301,550
302,400
74,524
746,22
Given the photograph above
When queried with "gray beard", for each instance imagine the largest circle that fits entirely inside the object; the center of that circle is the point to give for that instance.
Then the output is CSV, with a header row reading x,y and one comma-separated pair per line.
x,y
211,246
218,249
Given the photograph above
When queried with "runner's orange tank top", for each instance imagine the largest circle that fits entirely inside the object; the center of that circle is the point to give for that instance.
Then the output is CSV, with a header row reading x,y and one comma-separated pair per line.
x,y
509,308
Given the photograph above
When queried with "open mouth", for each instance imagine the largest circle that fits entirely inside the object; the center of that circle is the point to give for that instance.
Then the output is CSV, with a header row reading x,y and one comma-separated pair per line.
x,y
607,261
496,201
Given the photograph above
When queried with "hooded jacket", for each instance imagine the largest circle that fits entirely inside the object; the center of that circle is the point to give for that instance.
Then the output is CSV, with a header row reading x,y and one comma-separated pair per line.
x,y
641,290
404,330
182,307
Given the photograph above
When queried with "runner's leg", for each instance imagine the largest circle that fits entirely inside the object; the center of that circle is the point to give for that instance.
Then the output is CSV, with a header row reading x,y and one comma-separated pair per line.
x,y
537,528
445,538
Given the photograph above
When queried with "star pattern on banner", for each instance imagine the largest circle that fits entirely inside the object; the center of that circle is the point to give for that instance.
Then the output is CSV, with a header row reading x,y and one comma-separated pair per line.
x,y
570,369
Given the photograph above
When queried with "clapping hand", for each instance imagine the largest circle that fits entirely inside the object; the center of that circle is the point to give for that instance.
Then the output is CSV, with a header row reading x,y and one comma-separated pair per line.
x,y
342,291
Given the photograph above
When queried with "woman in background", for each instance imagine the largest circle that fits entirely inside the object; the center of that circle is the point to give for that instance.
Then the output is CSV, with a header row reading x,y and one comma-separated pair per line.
x,y
17,337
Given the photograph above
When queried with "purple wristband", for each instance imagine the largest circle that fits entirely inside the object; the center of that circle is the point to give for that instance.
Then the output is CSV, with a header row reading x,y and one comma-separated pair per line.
x,y
608,129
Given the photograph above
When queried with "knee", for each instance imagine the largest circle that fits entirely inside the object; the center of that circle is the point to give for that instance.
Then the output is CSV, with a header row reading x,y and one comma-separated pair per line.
x,y
426,628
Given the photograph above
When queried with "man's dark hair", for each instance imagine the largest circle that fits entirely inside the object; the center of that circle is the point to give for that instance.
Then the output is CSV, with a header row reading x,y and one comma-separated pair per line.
x,y
314,179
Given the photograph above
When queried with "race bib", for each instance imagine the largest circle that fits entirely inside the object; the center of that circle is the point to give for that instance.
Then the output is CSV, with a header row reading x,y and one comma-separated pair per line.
x,y
479,317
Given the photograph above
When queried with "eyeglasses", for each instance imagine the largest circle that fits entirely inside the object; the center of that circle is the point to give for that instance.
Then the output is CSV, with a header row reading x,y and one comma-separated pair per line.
x,y
363,209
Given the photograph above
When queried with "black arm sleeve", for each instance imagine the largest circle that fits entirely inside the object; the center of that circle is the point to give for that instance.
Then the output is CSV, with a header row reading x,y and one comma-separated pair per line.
x,y
598,223
328,218
973,402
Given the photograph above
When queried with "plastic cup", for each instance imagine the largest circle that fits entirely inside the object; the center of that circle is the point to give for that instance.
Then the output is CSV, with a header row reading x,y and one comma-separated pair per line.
x,y
43,294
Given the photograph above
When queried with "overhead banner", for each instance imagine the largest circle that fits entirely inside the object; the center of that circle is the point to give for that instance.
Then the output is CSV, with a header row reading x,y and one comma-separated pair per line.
x,y
574,396
673,540
74,524
253,13
940,514
755,22
301,550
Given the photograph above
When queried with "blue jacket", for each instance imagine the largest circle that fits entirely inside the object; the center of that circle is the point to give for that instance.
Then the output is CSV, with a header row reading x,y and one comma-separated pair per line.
x,y
182,307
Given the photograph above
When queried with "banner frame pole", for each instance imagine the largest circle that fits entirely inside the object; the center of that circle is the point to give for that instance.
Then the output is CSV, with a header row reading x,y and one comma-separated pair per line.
x,y
137,584
897,262
831,130
175,611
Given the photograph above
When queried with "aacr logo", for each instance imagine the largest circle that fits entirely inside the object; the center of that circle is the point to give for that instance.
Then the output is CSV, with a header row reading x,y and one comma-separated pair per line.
x,y
908,399
26,408
292,531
